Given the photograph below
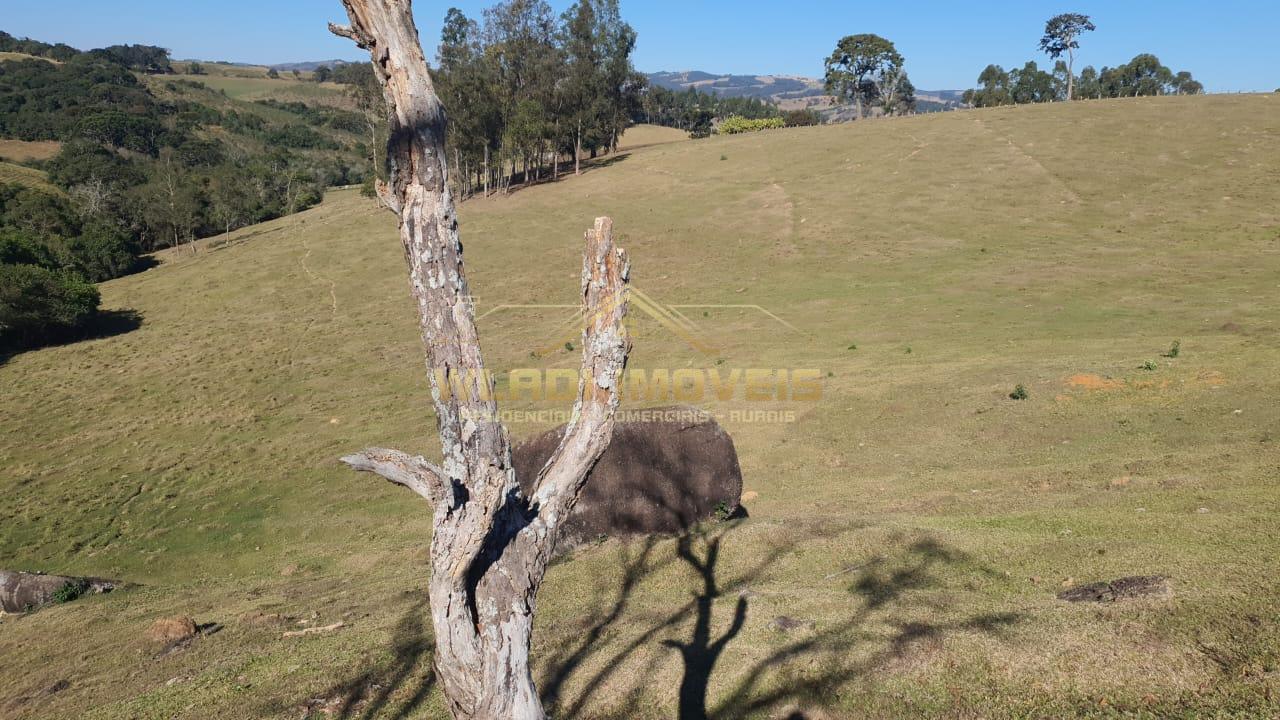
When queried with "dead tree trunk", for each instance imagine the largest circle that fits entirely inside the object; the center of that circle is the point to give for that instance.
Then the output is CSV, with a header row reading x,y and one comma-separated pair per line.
x,y
490,544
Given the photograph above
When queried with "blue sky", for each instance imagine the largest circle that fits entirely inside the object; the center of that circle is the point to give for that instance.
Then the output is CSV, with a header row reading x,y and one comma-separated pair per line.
x,y
1229,45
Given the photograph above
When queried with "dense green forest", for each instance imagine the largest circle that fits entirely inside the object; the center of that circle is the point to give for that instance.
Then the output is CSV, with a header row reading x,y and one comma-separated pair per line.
x,y
147,160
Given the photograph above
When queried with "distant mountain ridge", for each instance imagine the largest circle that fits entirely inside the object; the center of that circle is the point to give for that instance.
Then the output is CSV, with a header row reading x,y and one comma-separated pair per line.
x,y
785,90
307,66
765,87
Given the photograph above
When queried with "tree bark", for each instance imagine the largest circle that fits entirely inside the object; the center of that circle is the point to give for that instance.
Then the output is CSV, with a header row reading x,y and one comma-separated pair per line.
x,y
1071,74
490,544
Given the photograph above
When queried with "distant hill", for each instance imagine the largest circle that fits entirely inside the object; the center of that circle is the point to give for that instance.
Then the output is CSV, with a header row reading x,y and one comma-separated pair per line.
x,y
765,87
307,66
788,91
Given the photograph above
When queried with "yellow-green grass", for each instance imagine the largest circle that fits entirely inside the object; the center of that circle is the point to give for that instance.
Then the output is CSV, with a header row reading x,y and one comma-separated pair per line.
x,y
23,150
229,70
11,174
11,56
915,523
642,136
284,88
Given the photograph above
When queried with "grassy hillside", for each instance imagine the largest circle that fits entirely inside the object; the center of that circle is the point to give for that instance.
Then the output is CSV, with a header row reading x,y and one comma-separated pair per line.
x,y
908,532
29,177
23,150
250,82
22,56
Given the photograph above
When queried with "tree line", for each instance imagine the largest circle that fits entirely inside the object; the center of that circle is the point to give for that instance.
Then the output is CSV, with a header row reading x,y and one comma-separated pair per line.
x,y
143,58
1144,75
528,91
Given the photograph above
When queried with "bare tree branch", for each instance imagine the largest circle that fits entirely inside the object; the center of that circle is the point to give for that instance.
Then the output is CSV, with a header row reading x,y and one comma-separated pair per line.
x,y
347,31
605,345
413,472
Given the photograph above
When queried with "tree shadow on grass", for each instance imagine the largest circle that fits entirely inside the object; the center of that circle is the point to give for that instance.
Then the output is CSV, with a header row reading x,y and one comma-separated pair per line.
x,y
519,181
883,585
883,594
394,689
785,676
106,324
700,551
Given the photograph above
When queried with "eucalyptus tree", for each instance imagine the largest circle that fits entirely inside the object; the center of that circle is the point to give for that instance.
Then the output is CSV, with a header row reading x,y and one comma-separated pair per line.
x,y
582,84
1061,35
995,88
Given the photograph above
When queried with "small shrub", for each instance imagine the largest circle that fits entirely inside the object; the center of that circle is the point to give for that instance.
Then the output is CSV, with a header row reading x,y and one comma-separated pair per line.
x,y
70,592
723,158
1150,365
801,118
736,124
568,346
854,346
1175,350
1019,393
723,512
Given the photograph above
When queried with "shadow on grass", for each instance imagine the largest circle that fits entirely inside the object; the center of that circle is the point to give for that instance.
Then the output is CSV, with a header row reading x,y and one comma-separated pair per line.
x,y
883,585
519,181
106,324
784,677
596,660
395,689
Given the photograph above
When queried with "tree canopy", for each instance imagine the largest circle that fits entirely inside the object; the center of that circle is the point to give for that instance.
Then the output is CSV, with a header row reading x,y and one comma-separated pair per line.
x,y
1061,35
868,70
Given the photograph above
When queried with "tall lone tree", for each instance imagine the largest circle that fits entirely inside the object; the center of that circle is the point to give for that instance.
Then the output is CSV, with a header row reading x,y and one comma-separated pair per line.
x,y
865,68
490,543
1061,35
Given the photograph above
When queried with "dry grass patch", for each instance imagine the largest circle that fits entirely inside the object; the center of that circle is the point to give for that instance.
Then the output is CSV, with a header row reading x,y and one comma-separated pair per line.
x,y
20,151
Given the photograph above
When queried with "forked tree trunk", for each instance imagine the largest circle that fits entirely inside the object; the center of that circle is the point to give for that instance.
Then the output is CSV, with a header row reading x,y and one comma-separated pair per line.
x,y
490,544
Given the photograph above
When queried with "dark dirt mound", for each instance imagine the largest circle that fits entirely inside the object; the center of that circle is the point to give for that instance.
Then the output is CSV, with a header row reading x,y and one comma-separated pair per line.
x,y
1150,586
658,476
